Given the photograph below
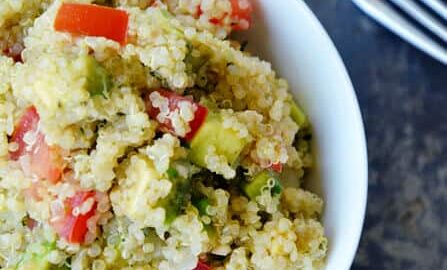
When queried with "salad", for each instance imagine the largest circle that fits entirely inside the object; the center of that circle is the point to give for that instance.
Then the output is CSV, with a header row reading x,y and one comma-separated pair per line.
x,y
136,134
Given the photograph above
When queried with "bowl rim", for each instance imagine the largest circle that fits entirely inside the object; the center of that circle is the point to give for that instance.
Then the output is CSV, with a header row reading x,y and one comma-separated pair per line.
x,y
348,88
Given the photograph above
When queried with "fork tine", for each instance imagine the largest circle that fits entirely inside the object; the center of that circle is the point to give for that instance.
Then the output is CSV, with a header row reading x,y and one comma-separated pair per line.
x,y
395,22
414,10
438,6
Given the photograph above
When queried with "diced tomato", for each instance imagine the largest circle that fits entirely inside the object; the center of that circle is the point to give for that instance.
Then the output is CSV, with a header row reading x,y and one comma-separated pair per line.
x,y
174,99
199,12
202,266
46,162
31,223
28,122
92,20
35,191
70,227
277,167
216,21
241,14
15,52
196,123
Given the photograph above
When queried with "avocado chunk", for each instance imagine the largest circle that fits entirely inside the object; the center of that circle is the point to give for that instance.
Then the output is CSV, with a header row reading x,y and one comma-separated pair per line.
x,y
98,81
212,133
35,257
260,182
298,115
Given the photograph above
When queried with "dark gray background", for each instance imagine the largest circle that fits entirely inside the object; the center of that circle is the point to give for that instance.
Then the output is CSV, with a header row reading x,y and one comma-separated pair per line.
x,y
403,98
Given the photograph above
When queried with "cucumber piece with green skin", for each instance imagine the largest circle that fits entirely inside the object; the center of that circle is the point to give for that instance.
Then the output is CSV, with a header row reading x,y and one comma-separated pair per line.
x,y
178,196
98,81
298,115
212,133
259,182
35,257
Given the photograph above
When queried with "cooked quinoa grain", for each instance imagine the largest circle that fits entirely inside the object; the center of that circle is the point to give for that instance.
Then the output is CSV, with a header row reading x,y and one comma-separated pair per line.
x,y
153,142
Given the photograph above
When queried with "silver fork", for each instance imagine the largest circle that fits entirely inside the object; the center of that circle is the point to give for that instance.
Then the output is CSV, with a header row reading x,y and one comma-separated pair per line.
x,y
381,11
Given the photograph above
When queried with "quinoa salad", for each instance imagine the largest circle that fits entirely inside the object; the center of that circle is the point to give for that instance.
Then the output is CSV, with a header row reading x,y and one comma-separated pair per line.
x,y
136,134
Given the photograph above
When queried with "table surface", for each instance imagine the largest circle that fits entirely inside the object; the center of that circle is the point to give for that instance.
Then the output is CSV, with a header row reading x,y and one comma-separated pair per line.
x,y
403,98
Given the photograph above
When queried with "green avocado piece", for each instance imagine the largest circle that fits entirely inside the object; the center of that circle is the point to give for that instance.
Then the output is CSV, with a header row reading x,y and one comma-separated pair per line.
x,y
213,134
298,115
259,182
98,81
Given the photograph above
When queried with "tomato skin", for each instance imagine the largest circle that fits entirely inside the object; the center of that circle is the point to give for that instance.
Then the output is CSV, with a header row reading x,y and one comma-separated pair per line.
x,y
15,52
46,162
31,223
74,228
199,115
241,14
277,167
93,20
28,122
199,118
202,266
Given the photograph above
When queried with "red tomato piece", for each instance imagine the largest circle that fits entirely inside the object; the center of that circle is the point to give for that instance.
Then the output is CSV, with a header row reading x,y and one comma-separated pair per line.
x,y
46,162
174,99
15,52
241,14
202,266
70,227
196,123
199,12
216,21
31,223
28,122
92,20
35,191
277,167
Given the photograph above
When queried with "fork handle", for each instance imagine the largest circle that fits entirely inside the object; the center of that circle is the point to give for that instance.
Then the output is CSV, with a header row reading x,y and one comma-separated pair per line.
x,y
395,22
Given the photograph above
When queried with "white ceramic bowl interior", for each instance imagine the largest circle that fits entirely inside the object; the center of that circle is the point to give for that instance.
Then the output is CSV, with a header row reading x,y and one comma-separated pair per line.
x,y
287,34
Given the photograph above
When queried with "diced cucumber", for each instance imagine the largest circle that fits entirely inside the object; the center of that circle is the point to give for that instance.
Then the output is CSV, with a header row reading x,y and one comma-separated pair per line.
x,y
207,102
98,81
178,196
260,182
298,115
35,257
201,205
213,134
172,173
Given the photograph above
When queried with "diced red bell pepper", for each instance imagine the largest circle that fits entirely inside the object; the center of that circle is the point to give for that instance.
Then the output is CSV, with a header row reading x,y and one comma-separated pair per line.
x,y
70,227
46,162
92,20
174,99
202,266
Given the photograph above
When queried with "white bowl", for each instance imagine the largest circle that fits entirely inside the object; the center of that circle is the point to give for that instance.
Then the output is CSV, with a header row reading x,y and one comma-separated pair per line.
x,y
287,34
